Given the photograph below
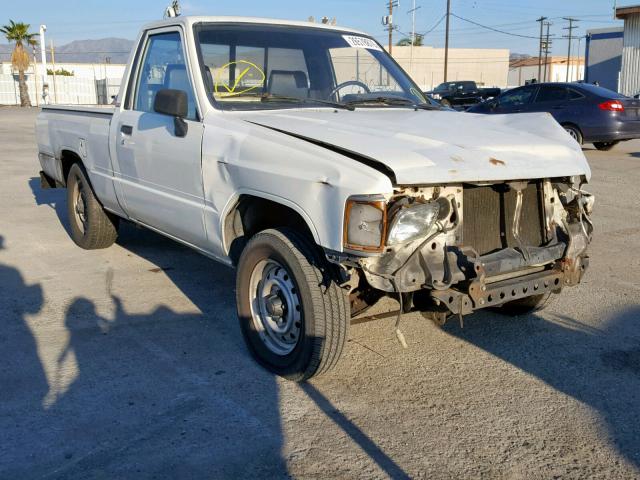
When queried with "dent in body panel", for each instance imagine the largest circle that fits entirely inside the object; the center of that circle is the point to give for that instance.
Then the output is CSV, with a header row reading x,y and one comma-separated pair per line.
x,y
241,158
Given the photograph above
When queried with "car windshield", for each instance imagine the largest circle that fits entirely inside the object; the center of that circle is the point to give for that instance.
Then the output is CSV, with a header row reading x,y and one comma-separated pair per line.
x,y
249,66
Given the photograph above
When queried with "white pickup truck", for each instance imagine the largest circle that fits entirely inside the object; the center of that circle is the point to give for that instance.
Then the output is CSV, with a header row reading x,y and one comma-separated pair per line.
x,y
305,157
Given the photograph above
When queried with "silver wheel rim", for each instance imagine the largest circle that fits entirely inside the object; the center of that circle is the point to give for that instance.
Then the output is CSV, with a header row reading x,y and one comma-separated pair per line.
x,y
573,133
80,205
276,309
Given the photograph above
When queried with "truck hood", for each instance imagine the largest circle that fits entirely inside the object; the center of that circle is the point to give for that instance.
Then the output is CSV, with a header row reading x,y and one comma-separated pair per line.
x,y
437,147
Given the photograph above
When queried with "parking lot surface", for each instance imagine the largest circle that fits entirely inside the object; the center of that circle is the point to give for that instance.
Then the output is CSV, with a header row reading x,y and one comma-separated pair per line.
x,y
129,363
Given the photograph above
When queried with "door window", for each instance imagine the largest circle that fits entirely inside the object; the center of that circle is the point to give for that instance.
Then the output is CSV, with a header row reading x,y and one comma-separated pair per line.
x,y
552,94
516,98
163,67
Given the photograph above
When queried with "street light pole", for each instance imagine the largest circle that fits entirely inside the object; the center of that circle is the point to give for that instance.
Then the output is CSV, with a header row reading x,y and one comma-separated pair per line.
x,y
43,53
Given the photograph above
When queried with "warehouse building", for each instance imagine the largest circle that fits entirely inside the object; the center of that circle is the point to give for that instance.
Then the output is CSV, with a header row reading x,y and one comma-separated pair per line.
x,y
486,66
630,73
604,56
552,69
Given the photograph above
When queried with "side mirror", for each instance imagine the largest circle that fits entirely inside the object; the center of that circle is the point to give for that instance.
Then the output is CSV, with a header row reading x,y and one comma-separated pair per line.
x,y
174,103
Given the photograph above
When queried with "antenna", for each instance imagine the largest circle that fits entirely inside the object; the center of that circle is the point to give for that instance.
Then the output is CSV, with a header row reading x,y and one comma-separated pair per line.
x,y
172,10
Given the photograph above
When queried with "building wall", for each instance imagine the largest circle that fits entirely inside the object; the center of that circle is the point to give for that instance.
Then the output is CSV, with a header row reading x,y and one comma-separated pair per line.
x,y
488,67
556,72
630,75
604,56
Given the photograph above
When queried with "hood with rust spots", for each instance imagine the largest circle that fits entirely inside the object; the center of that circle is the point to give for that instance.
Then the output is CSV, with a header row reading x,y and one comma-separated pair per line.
x,y
436,147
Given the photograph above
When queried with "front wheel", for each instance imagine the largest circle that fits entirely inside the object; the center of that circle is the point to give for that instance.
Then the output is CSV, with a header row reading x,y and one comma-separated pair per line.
x,y
293,314
605,146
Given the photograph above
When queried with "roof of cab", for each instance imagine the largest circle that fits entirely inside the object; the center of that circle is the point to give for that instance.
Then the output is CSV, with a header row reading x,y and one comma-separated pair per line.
x,y
189,21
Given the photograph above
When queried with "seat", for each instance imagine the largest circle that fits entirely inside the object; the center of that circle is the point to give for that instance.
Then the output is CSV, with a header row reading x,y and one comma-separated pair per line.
x,y
288,83
176,78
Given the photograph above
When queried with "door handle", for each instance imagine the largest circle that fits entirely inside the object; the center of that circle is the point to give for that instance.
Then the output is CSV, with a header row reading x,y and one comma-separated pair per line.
x,y
126,129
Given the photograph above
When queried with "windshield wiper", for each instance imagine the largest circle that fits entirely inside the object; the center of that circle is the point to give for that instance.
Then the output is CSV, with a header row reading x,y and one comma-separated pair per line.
x,y
393,102
268,97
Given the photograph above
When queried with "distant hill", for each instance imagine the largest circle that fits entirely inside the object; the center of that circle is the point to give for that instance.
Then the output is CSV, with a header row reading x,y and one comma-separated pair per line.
x,y
85,51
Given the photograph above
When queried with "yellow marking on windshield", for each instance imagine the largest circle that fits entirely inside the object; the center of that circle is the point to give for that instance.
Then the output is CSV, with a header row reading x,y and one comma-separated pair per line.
x,y
251,70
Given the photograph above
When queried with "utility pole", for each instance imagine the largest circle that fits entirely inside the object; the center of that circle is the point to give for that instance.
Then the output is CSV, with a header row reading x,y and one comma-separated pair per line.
x,y
390,27
547,48
541,20
413,32
571,28
446,41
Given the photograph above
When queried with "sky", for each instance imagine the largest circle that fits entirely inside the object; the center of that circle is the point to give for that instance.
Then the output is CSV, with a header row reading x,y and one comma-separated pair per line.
x,y
69,20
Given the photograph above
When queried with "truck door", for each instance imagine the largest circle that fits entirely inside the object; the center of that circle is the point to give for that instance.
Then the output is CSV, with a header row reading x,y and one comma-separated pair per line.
x,y
160,173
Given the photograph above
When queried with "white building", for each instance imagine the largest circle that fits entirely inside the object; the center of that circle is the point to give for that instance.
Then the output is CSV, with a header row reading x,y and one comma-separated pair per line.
x,y
487,67
524,71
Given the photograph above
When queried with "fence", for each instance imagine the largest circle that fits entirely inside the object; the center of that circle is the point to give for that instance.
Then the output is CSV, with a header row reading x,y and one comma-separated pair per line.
x,y
62,89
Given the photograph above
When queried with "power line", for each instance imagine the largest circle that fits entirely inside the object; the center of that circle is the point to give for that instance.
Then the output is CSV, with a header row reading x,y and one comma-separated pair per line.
x,y
491,28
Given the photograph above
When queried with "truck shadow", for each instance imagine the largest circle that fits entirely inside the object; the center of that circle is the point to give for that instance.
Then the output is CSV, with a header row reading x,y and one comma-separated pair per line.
x,y
54,198
597,367
173,395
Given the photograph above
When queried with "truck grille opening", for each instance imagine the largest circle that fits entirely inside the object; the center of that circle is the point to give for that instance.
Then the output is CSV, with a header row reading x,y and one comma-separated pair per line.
x,y
488,217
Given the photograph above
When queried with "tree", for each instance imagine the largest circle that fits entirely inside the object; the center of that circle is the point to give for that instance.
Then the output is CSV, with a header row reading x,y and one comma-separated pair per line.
x,y
19,34
406,42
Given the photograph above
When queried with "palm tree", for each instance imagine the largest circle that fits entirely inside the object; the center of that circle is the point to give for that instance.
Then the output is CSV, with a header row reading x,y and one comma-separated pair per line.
x,y
19,33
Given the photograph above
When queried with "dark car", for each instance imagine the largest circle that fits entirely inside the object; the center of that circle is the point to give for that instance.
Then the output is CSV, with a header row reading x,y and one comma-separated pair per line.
x,y
590,114
456,94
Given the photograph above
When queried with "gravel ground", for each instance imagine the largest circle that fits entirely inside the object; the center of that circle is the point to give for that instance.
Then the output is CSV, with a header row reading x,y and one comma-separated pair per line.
x,y
128,363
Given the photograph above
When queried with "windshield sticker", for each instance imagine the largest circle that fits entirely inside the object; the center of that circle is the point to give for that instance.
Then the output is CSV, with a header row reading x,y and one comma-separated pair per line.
x,y
361,42
248,77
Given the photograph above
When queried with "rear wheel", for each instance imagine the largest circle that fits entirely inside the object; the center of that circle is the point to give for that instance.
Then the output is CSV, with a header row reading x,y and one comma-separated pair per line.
x,y
605,146
527,305
293,314
574,132
92,227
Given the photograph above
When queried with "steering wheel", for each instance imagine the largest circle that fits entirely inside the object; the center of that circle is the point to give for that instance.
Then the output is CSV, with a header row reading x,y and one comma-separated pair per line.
x,y
349,83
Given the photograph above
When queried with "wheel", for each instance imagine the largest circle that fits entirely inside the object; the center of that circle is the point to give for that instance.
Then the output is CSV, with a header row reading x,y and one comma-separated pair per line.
x,y
293,315
527,305
574,132
92,227
605,146
445,103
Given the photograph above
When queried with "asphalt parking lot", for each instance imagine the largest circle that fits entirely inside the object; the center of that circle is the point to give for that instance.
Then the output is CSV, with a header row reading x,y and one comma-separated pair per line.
x,y
129,363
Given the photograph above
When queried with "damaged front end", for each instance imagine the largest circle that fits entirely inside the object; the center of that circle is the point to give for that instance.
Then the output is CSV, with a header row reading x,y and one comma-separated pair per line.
x,y
458,248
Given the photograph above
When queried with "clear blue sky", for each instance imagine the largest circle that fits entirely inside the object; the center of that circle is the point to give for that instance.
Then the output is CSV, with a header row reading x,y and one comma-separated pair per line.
x,y
76,19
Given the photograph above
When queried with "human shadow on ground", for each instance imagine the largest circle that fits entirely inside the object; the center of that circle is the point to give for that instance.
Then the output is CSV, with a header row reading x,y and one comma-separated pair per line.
x,y
598,367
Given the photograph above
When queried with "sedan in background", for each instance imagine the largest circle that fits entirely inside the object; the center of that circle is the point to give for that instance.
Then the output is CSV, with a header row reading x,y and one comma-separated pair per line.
x,y
590,114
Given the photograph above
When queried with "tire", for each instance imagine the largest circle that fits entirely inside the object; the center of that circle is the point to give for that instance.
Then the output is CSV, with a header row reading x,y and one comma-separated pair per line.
x,y
574,132
605,146
445,103
527,305
92,228
311,338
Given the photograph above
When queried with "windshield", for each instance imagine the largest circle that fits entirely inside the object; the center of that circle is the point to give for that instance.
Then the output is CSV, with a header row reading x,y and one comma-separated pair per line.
x,y
248,66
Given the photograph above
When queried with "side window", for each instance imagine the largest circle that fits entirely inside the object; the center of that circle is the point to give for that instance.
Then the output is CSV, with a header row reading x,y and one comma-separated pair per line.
x,y
575,95
552,94
163,66
516,98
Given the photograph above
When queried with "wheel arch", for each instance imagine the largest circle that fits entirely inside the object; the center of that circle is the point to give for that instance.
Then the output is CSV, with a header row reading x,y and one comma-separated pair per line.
x,y
68,158
252,213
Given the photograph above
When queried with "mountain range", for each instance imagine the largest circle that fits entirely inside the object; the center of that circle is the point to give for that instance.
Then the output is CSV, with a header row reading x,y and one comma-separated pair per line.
x,y
105,50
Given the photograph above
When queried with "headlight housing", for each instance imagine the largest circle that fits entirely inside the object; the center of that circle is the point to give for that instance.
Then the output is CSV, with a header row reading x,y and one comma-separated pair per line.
x,y
365,225
413,222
